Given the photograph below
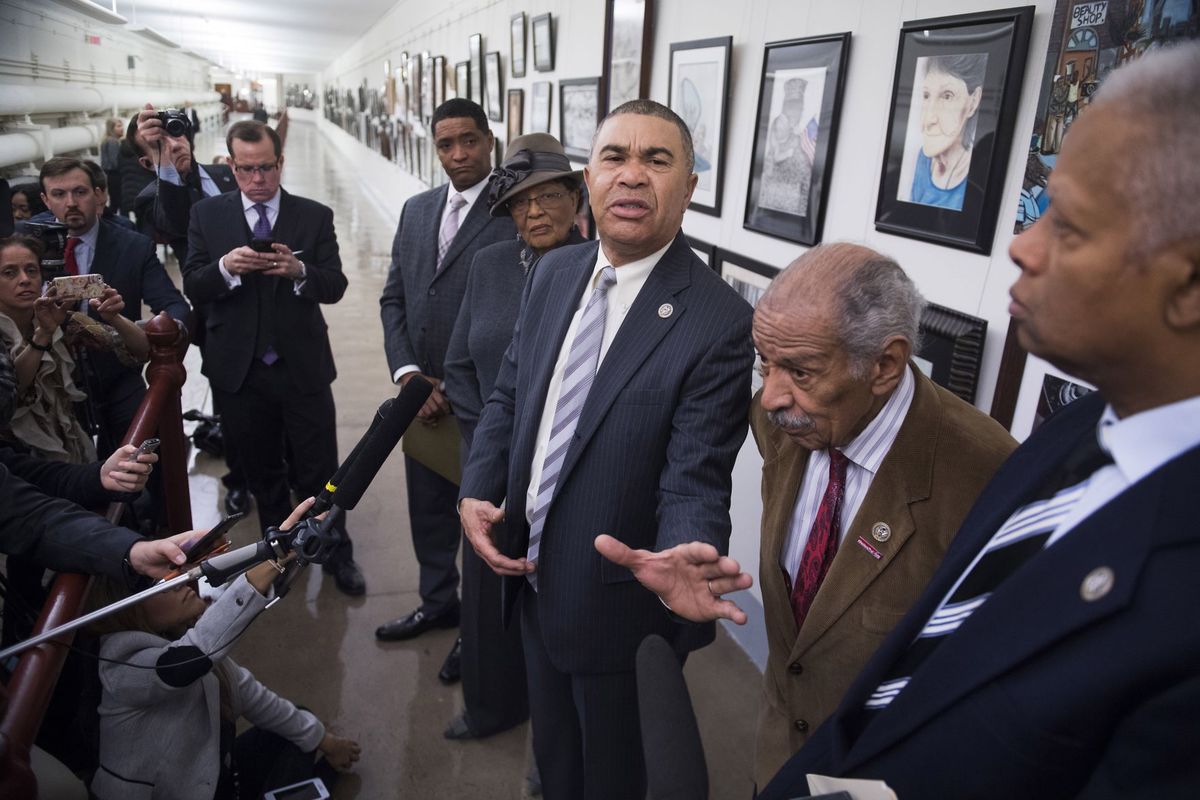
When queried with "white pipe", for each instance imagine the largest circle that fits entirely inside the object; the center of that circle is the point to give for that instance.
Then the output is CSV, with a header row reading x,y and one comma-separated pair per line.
x,y
23,100
23,147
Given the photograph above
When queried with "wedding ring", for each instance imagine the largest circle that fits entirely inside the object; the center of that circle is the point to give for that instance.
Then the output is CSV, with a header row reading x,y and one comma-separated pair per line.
x,y
710,589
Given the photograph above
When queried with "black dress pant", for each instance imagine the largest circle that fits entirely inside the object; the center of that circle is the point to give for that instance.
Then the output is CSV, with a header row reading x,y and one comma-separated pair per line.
x,y
587,736
259,416
433,516
493,662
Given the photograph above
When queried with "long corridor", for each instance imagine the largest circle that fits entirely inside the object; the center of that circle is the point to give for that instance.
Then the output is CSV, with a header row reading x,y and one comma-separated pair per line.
x,y
318,648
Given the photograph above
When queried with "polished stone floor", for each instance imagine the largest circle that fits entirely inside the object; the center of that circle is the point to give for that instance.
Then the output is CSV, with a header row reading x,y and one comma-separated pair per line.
x,y
318,647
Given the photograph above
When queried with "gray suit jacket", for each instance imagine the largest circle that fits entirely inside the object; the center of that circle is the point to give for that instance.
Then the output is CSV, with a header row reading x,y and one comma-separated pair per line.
x,y
420,303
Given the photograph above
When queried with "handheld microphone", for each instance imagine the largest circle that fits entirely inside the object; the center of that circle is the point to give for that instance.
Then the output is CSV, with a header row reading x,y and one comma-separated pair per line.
x,y
675,765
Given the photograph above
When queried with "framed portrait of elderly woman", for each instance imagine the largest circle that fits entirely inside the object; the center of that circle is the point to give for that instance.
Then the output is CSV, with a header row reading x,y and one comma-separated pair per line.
x,y
698,92
799,103
954,102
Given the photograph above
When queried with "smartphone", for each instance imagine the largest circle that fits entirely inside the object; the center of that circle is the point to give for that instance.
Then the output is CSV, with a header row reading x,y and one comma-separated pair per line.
x,y
148,446
78,287
311,789
212,539
262,245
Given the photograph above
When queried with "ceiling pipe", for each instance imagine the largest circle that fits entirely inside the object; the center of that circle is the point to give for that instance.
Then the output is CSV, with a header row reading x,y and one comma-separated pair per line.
x,y
22,100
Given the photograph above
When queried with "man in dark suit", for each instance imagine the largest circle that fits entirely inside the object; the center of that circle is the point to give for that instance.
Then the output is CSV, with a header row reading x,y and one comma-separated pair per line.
x,y
128,263
270,363
439,233
1052,654
619,409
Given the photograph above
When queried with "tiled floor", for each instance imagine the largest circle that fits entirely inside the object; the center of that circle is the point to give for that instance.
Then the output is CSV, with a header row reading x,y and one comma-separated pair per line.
x,y
318,647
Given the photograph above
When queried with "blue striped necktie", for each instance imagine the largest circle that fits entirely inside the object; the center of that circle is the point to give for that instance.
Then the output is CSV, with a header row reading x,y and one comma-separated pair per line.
x,y
577,380
1021,537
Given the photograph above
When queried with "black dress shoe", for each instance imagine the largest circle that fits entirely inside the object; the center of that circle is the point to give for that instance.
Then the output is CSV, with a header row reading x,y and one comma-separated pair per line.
x,y
415,624
460,728
451,671
238,500
346,576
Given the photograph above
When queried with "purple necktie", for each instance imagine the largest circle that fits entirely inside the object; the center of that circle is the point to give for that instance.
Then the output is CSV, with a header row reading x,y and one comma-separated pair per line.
x,y
262,230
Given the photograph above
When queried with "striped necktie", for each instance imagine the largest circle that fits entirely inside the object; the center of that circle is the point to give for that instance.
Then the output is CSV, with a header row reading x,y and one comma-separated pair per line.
x,y
823,539
1020,538
449,228
577,380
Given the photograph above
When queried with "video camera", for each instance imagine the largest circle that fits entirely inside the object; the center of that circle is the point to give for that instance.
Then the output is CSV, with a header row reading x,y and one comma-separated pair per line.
x,y
53,236
176,122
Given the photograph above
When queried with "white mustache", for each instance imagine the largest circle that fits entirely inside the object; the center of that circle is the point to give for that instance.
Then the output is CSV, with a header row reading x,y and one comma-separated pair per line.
x,y
791,421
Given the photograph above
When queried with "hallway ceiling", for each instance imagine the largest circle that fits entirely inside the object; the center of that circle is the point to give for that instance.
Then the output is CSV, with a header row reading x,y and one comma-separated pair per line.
x,y
263,36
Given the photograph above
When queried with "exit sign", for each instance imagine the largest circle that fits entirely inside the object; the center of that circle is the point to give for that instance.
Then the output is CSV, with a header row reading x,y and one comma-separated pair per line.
x,y
90,39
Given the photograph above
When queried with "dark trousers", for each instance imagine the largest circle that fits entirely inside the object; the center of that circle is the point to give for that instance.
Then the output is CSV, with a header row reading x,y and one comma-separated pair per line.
x,y
432,514
259,416
493,662
586,733
266,761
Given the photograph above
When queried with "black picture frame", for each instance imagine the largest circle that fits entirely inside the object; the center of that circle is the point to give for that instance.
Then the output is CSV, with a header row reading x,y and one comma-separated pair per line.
x,y
428,93
989,50
749,276
516,36
704,251
541,99
414,86
628,42
701,98
516,112
951,350
462,79
475,58
494,86
791,164
578,115
543,43
439,80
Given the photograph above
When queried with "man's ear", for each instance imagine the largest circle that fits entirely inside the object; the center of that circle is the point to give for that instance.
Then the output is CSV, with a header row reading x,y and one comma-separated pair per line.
x,y
1181,265
890,365
146,162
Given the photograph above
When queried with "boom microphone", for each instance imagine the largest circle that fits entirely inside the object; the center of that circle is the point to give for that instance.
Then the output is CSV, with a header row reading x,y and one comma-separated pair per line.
x,y
324,500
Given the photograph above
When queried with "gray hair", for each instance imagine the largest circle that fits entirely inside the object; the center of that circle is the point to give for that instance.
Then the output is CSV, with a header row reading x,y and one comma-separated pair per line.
x,y
1160,93
649,108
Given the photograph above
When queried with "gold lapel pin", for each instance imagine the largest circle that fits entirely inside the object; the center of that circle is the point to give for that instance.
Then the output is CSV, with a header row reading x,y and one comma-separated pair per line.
x,y
666,310
1098,583
881,531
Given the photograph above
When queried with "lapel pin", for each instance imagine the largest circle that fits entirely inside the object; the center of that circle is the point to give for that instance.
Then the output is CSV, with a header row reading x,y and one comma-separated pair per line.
x,y
881,531
862,540
1098,583
666,310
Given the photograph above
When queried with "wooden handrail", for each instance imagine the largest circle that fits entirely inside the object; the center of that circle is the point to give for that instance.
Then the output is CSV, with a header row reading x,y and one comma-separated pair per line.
x,y
32,683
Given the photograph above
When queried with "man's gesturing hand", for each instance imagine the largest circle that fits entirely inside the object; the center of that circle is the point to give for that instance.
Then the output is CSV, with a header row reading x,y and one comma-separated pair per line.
x,y
478,517
690,578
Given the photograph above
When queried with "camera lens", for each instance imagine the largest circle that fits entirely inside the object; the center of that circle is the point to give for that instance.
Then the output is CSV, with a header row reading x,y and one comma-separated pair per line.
x,y
176,127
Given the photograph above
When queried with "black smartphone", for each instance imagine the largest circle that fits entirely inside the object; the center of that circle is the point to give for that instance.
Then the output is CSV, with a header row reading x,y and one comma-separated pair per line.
x,y
148,446
212,538
262,245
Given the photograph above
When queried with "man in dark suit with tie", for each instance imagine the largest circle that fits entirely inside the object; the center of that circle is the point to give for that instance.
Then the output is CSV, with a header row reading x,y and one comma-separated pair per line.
x,y
1054,653
128,263
619,409
270,364
439,233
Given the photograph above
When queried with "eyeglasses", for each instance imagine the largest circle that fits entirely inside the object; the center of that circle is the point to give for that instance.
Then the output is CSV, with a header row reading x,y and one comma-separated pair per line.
x,y
549,201
249,169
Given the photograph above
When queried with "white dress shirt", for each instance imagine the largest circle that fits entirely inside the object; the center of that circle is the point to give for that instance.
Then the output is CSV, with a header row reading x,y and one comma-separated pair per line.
x,y
865,453
234,281
630,279
470,195
85,248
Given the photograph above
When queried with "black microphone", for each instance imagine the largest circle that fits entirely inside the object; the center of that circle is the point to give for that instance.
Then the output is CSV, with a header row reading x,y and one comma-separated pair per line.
x,y
379,442
324,500
675,765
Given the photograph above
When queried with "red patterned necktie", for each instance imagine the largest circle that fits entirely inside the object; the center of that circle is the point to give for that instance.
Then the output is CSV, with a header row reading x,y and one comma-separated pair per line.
x,y
822,542
69,262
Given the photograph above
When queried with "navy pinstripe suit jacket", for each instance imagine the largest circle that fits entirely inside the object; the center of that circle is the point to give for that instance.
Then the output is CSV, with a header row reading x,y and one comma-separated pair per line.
x,y
652,455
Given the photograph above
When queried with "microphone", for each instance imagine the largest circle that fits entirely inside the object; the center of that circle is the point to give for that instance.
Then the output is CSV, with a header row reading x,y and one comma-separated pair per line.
x,y
675,765
324,499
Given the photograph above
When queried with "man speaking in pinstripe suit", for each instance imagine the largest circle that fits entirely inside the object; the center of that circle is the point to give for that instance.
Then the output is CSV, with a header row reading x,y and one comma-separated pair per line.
x,y
619,409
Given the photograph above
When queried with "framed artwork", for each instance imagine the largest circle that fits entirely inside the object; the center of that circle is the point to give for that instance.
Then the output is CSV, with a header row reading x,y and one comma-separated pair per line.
x,y
698,91
439,81
628,35
516,35
539,107
579,113
954,101
462,79
475,49
495,93
1056,394
795,138
414,85
951,349
427,104
750,278
516,112
704,251
543,43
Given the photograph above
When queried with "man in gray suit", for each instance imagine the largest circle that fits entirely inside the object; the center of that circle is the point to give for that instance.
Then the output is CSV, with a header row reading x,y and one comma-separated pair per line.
x,y
440,231
619,409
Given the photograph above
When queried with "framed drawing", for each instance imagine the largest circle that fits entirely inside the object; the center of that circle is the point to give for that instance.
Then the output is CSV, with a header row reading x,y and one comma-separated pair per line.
x,y
539,107
516,36
516,112
954,101
578,115
427,101
951,349
704,251
750,278
543,43
475,49
495,94
462,79
439,81
698,91
1056,393
628,35
799,104
414,85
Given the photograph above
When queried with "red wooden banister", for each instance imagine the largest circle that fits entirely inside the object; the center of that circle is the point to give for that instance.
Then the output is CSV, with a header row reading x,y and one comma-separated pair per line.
x,y
32,683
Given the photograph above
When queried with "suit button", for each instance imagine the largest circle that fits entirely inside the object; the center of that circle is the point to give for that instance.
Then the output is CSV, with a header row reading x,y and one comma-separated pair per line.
x,y
432,292
801,725
795,668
